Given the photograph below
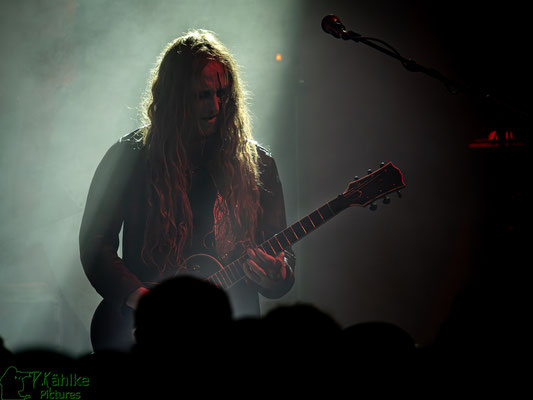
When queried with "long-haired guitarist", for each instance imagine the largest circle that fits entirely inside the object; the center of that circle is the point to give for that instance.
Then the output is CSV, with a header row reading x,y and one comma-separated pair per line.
x,y
191,181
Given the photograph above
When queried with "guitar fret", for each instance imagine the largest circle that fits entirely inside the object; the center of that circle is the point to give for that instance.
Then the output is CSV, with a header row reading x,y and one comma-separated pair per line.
x,y
229,268
318,218
225,272
237,264
243,264
277,244
282,245
308,225
277,240
283,236
326,212
227,280
319,213
221,284
296,227
267,250
290,235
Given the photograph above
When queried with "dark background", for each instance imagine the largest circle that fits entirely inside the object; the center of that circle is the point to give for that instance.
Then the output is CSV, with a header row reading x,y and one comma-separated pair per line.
x,y
447,254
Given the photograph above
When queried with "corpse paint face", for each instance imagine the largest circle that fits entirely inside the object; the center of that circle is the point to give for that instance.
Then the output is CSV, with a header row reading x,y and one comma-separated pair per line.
x,y
213,92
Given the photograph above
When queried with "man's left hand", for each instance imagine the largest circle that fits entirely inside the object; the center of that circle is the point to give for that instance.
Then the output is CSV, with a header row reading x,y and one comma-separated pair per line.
x,y
267,271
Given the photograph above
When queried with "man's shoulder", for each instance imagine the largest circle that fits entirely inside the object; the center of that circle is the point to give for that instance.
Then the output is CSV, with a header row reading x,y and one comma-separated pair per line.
x,y
125,150
264,155
267,168
133,140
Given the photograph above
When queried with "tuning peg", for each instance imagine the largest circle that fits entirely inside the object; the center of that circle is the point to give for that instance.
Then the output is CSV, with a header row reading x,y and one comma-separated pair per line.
x,y
373,207
356,177
369,171
382,164
399,194
386,200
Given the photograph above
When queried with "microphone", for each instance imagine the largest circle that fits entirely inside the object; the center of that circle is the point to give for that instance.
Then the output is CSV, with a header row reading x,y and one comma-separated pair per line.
x,y
331,24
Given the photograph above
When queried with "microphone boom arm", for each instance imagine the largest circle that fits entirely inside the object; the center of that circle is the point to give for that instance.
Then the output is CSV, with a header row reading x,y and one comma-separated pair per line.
x,y
332,25
409,64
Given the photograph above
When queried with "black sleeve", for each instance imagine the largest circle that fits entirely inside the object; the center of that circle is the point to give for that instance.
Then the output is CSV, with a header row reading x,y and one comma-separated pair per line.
x,y
273,218
101,224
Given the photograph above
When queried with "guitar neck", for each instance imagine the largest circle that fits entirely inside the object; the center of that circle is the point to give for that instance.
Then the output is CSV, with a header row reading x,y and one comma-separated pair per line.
x,y
233,272
300,229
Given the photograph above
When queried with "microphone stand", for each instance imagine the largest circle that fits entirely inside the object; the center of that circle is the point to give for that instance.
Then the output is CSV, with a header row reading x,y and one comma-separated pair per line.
x,y
411,65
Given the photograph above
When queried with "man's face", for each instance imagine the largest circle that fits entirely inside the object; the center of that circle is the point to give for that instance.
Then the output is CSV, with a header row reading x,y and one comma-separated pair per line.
x,y
212,95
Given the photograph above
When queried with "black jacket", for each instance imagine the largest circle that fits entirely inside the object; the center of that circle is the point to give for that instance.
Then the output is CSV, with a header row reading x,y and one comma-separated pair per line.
x,y
117,199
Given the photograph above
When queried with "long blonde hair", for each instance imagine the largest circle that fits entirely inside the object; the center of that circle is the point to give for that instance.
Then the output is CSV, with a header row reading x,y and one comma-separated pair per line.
x,y
171,127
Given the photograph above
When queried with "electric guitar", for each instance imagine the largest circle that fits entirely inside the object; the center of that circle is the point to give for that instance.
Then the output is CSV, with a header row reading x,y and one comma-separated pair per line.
x,y
112,328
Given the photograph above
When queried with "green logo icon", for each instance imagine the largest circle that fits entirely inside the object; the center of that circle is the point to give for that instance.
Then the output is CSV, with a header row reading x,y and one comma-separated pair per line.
x,y
12,384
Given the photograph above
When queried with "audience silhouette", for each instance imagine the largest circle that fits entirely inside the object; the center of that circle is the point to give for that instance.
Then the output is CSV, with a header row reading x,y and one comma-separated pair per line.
x,y
187,339
180,314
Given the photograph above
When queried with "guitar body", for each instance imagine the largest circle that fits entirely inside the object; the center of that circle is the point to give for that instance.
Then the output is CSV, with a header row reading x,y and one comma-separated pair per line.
x,y
112,324
112,327
200,266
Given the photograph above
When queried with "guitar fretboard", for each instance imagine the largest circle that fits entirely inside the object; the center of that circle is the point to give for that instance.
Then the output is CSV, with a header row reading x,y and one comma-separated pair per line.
x,y
233,272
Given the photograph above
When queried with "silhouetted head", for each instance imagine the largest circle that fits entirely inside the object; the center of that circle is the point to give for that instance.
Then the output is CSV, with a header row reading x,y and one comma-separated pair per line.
x,y
179,312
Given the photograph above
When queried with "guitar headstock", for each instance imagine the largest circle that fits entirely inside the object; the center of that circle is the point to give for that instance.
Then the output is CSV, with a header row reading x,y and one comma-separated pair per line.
x,y
361,192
